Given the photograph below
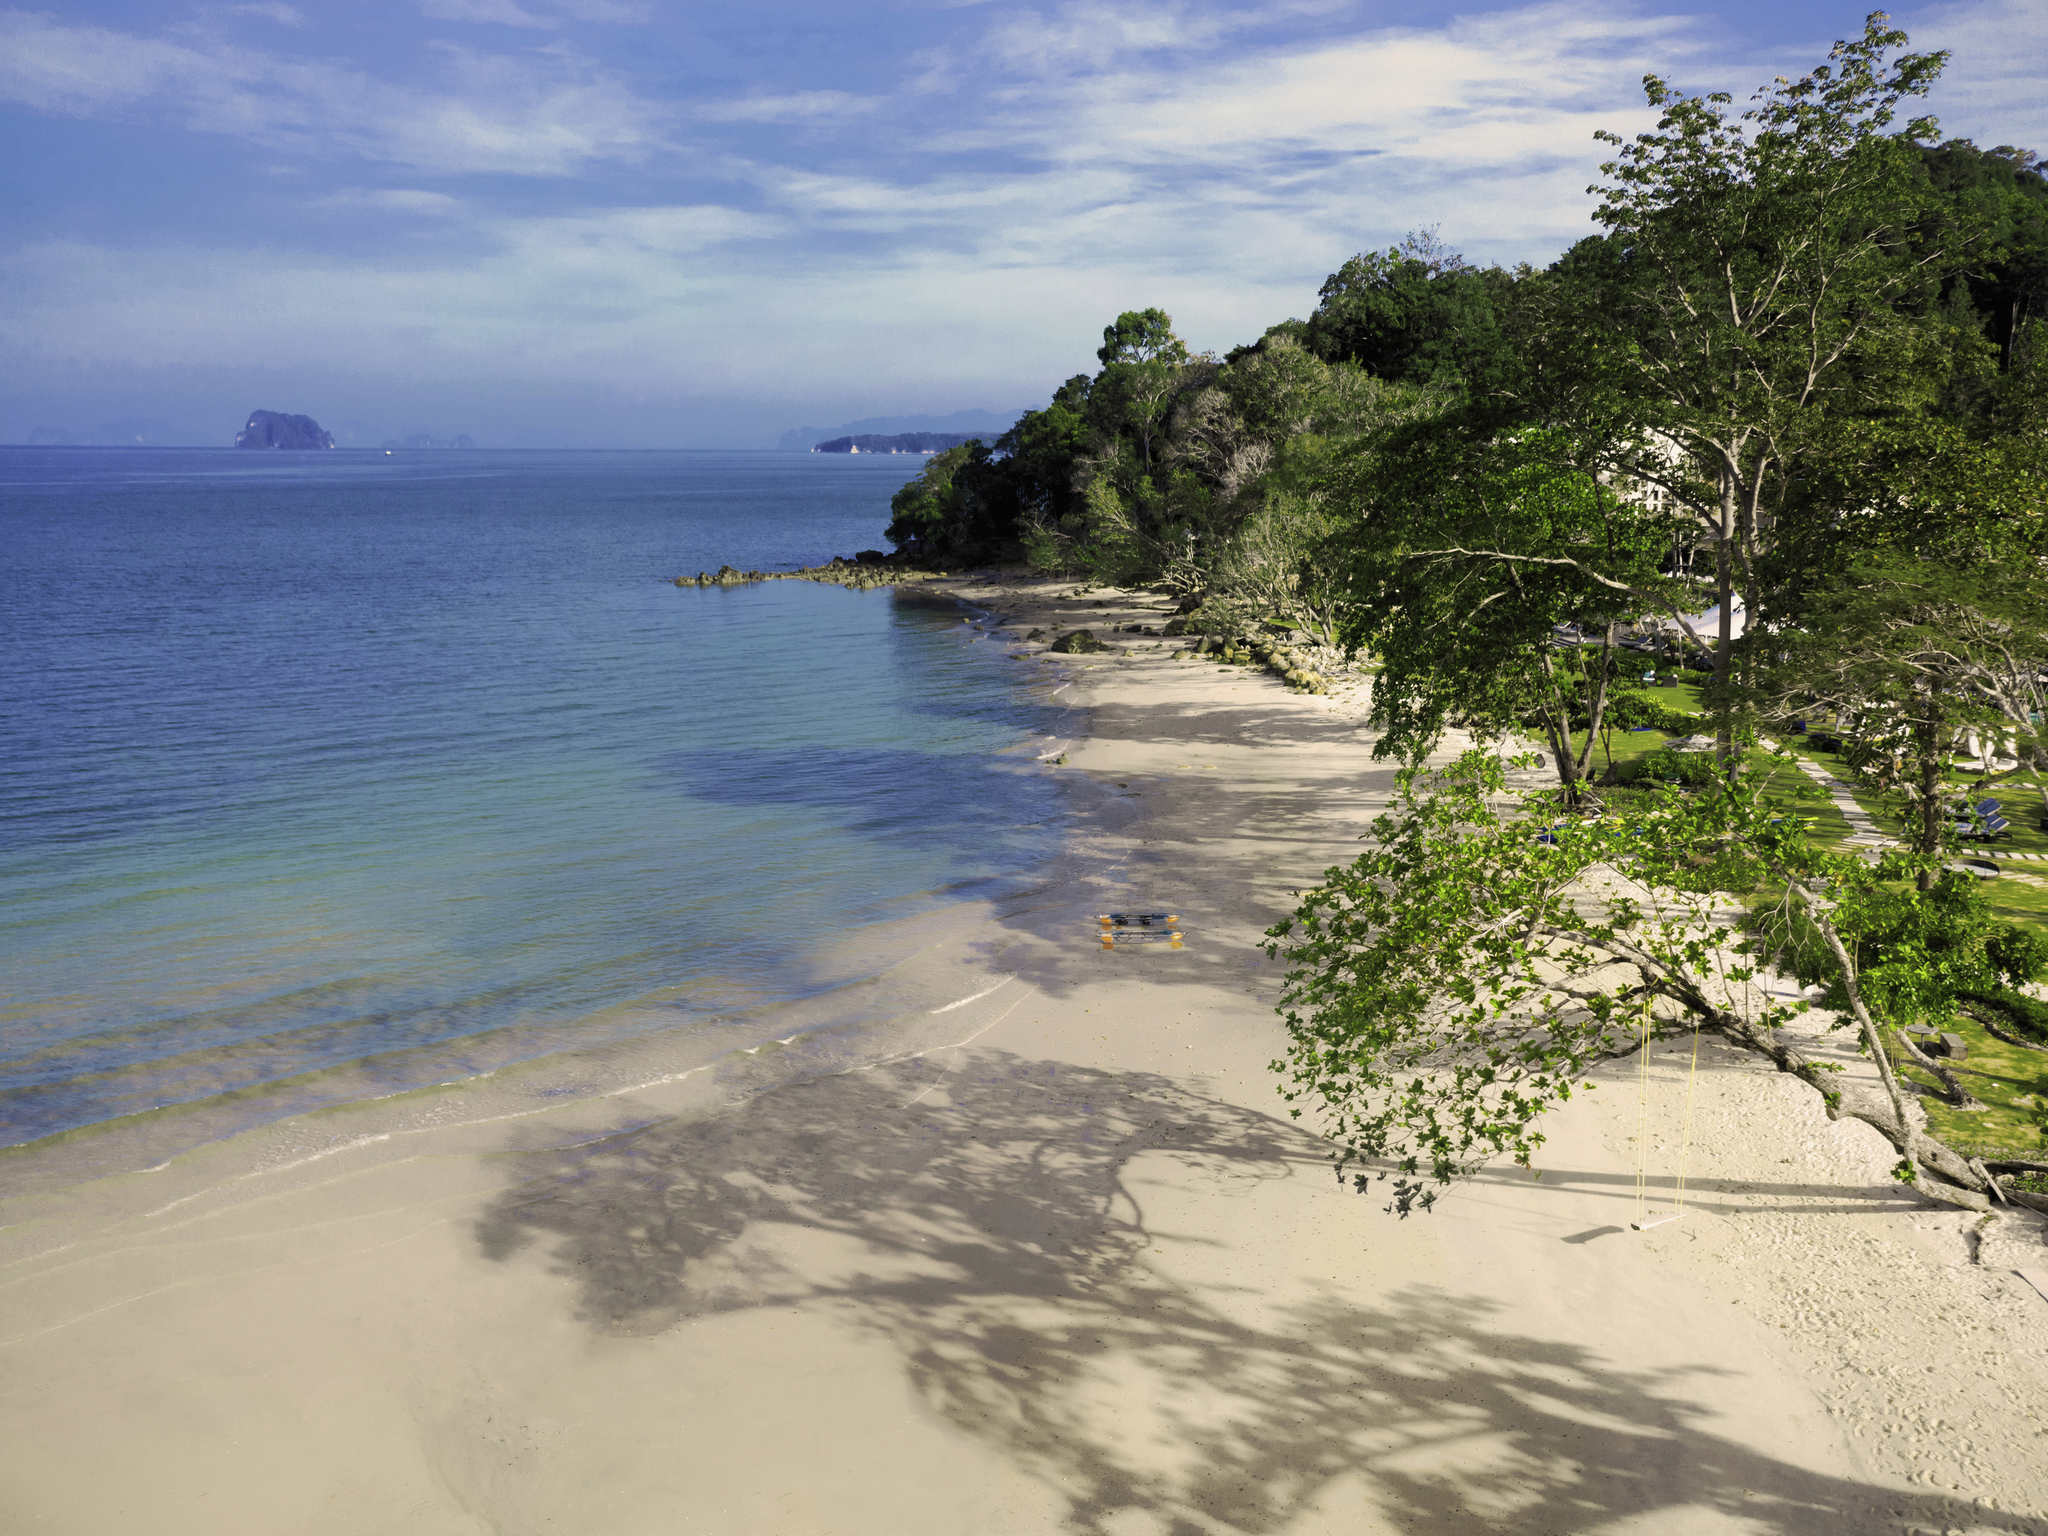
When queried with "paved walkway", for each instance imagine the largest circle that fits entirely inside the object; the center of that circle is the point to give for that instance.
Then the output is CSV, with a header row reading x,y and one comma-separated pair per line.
x,y
1864,833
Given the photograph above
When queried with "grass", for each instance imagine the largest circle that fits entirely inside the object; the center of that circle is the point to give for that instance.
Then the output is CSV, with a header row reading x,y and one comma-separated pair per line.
x,y
1785,786
2009,1079
2022,803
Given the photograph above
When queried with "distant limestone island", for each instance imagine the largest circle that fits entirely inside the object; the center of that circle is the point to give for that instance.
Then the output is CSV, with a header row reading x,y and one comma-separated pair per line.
x,y
275,429
896,442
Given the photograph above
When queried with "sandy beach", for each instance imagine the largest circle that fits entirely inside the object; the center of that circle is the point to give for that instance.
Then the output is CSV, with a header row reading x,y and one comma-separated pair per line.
x,y
1046,1256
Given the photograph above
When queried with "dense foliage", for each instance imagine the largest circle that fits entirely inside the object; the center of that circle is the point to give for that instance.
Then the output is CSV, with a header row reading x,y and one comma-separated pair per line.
x,y
1465,974
1784,420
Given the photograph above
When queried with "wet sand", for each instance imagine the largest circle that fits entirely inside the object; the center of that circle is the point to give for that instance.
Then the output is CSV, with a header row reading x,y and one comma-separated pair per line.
x,y
1045,1255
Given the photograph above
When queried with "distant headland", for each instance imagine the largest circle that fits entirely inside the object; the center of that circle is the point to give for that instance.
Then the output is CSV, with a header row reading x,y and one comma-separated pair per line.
x,y
896,442
986,425
275,429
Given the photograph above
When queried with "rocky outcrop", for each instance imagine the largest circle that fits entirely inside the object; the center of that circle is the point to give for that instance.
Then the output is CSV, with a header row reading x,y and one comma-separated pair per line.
x,y
1284,662
869,568
275,429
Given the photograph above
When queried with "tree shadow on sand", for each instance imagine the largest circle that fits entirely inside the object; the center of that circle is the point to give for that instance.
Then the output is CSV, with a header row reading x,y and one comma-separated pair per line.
x,y
984,1222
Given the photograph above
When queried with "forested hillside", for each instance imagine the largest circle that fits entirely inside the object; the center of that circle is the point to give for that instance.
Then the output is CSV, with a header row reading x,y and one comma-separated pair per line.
x,y
1783,425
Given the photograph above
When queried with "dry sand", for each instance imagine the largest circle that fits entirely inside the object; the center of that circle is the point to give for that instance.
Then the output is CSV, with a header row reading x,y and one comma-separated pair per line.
x,y
1051,1258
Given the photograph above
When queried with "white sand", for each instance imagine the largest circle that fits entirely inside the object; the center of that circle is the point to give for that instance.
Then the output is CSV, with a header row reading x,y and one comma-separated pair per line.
x,y
1063,1266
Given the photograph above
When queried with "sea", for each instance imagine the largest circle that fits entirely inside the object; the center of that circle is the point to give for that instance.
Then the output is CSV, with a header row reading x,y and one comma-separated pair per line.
x,y
333,776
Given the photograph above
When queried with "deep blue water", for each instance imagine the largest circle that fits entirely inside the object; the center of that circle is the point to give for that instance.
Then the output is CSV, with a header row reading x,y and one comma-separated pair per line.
x,y
421,763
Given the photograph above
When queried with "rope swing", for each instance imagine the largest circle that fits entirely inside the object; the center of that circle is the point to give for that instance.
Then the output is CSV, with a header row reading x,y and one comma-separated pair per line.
x,y
1645,1218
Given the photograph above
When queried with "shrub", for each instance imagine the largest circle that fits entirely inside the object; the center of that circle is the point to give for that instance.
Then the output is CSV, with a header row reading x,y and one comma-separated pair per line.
x,y
1694,770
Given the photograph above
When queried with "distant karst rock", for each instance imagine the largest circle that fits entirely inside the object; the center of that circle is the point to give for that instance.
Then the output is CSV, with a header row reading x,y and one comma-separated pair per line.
x,y
274,429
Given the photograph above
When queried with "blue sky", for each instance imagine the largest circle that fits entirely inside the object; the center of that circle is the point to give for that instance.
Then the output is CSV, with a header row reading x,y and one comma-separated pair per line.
x,y
634,223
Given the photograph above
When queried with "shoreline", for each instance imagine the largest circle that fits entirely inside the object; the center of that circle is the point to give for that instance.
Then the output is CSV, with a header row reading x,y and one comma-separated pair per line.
x,y
1052,1258
685,1028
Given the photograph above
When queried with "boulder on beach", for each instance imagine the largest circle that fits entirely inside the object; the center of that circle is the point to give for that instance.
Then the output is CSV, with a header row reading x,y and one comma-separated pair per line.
x,y
1078,643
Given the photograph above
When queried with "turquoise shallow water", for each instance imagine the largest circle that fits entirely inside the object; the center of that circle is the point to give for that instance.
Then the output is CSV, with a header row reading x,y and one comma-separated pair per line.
x,y
415,766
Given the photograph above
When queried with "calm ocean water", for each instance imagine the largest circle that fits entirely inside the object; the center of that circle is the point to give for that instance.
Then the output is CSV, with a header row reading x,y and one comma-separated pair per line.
x,y
414,766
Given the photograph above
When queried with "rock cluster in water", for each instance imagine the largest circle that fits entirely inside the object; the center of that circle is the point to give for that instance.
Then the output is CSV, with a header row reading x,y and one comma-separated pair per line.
x,y
275,429
869,568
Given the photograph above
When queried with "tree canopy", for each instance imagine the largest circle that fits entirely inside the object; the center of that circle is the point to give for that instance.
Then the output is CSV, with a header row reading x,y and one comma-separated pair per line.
x,y
1799,379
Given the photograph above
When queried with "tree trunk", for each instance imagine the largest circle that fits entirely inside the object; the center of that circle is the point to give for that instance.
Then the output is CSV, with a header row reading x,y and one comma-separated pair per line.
x,y
1557,730
1596,705
1724,642
1956,1182
1952,1087
1927,747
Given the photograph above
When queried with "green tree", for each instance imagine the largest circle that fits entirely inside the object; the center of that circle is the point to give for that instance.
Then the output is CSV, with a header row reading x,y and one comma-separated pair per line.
x,y
1763,269
1044,450
1912,654
2003,195
1474,554
1142,362
1417,313
1460,978
962,508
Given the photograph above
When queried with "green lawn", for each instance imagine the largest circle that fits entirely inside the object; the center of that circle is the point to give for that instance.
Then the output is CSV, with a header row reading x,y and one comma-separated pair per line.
x,y
1786,786
2009,1079
2021,802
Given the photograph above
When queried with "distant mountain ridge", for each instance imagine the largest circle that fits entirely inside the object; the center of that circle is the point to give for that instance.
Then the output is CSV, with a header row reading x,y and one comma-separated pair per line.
x,y
987,425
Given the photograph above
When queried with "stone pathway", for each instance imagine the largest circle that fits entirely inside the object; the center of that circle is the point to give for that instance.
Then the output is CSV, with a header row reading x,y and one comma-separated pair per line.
x,y
1864,833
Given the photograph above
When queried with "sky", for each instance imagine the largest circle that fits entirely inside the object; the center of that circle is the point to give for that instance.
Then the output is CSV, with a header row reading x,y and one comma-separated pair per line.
x,y
633,223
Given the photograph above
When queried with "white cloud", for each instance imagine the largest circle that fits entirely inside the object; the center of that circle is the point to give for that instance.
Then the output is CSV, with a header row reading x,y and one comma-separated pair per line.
x,y
503,13
393,199
965,246
547,16
1995,89
1222,187
78,70
546,113
1259,166
793,107
1083,34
